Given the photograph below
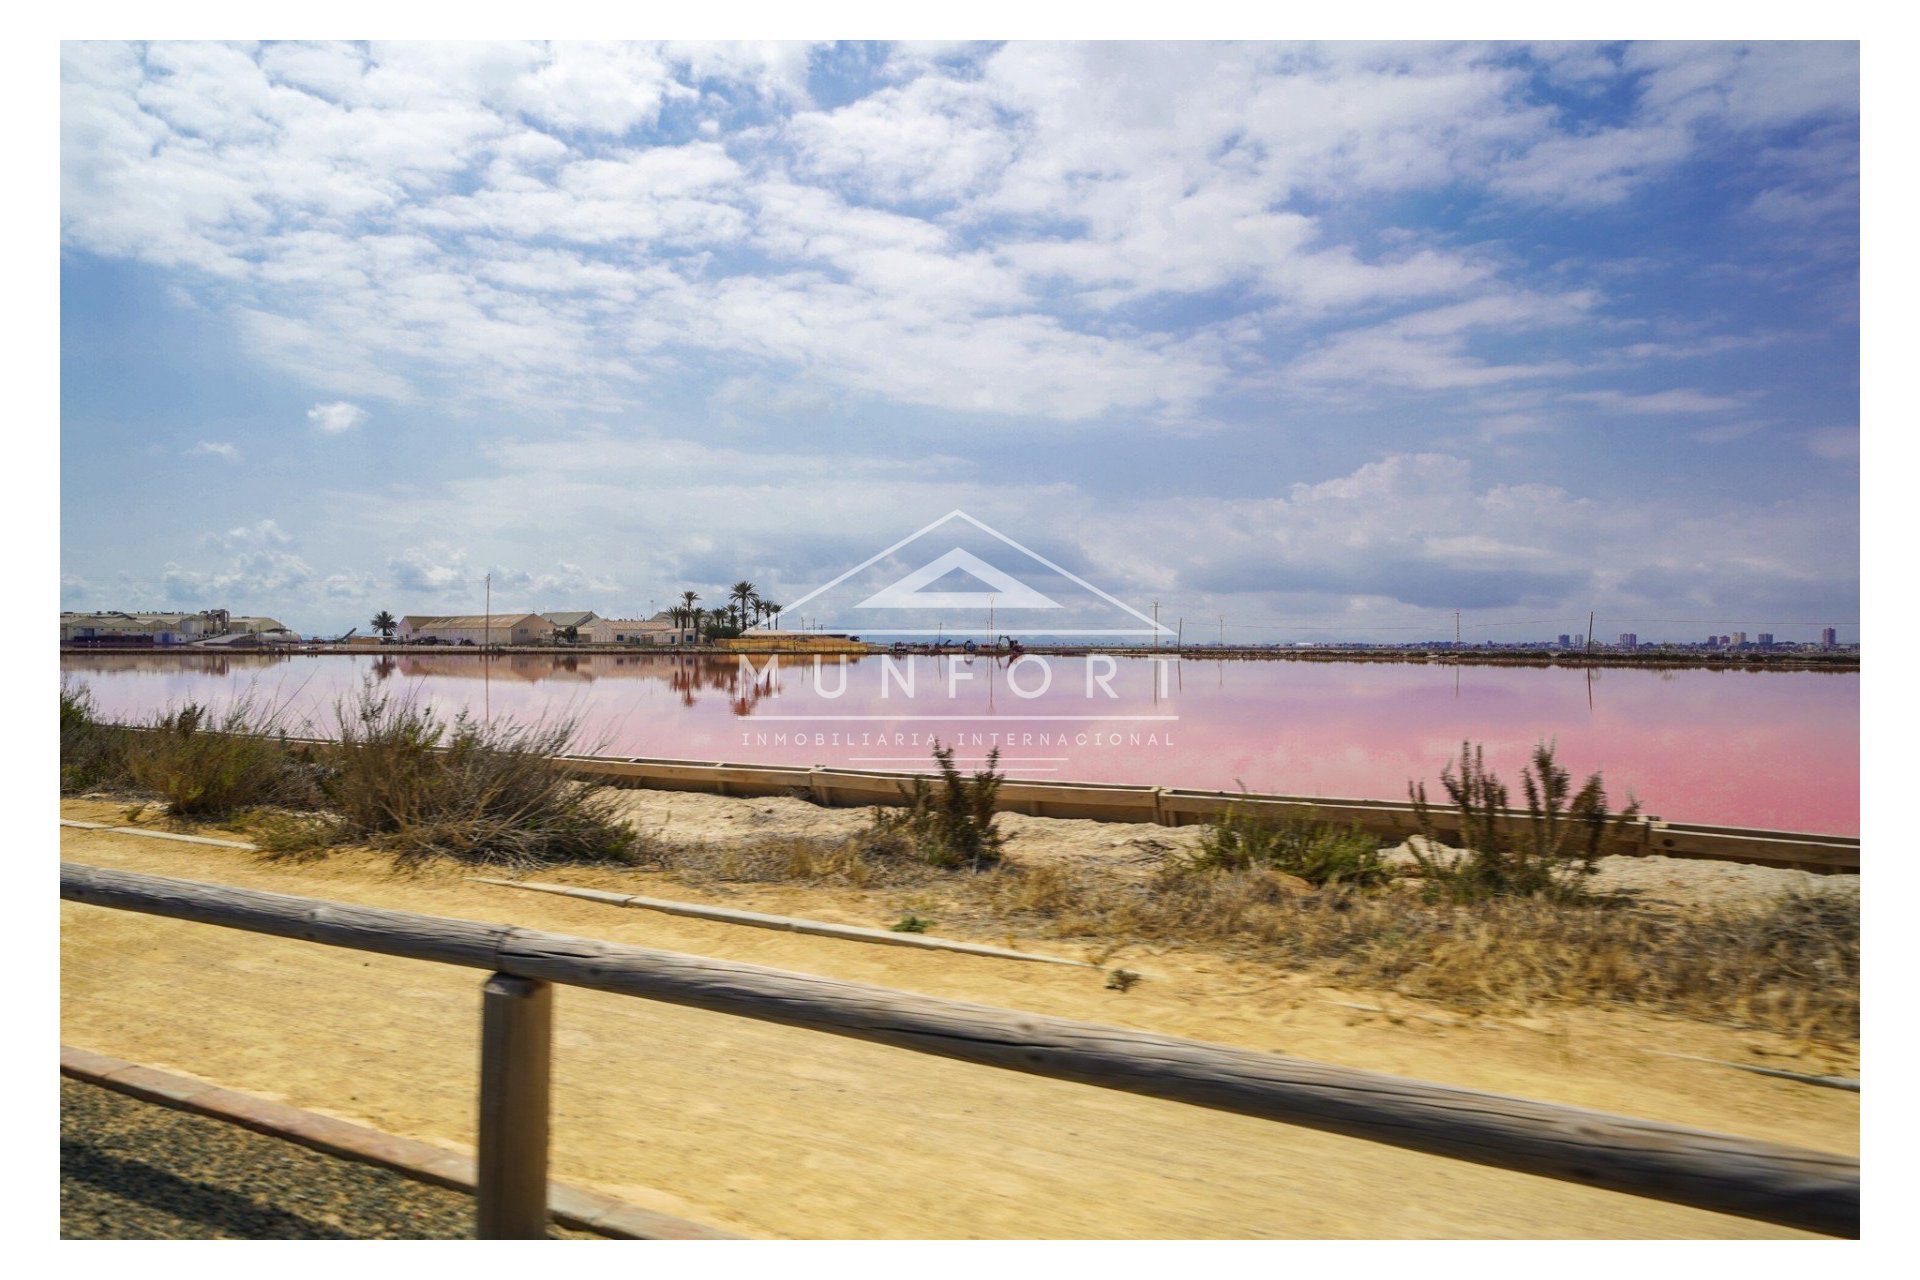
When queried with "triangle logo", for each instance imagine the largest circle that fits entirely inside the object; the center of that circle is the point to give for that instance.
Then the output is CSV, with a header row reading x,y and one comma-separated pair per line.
x,y
1003,589
958,577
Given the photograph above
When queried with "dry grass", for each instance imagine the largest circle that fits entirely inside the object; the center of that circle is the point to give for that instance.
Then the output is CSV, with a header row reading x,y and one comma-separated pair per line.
x,y
396,777
1553,852
215,765
855,862
1321,853
1791,965
401,778
93,753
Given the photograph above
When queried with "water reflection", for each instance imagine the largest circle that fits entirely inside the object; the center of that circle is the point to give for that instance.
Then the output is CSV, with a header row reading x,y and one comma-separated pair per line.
x,y
1768,748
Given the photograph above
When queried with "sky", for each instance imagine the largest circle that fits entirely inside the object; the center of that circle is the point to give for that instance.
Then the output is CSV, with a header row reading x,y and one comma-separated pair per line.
x,y
1300,342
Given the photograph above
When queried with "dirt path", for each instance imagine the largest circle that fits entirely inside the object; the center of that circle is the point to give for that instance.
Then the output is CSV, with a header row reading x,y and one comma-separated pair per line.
x,y
779,1132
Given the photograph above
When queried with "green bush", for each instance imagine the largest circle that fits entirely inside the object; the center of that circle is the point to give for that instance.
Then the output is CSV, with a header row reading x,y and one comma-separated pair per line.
x,y
1320,853
207,765
400,777
952,826
1549,850
93,755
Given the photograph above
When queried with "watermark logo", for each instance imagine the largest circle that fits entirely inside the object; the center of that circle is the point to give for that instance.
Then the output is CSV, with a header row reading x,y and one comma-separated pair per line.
x,y
963,605
959,577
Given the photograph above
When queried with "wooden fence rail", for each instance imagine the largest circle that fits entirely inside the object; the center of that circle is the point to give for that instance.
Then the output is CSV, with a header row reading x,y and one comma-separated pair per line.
x,y
1806,1189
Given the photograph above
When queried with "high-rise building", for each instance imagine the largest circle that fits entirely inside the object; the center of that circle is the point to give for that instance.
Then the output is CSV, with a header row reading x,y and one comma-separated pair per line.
x,y
1739,638
1628,640
1725,641
1566,641
1766,639
1828,637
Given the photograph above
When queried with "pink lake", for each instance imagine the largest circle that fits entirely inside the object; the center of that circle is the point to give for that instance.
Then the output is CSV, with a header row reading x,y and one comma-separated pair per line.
x,y
1774,749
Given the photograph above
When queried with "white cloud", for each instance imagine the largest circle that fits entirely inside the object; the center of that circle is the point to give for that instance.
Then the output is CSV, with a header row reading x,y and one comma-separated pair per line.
x,y
1433,349
434,569
1685,91
488,222
1840,444
252,579
1726,433
335,418
1678,400
215,449
263,533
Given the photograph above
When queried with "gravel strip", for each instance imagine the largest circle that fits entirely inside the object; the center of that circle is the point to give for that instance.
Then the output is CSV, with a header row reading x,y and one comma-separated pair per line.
x,y
135,1171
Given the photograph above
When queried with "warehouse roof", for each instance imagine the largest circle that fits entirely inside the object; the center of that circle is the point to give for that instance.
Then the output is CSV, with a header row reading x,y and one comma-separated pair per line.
x,y
417,622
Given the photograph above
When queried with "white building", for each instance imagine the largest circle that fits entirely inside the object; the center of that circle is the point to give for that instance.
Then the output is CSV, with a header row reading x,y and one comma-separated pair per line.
x,y
476,629
581,622
267,629
111,627
654,631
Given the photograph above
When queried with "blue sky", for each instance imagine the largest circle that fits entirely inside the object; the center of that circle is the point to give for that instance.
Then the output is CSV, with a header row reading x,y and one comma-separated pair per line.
x,y
1331,340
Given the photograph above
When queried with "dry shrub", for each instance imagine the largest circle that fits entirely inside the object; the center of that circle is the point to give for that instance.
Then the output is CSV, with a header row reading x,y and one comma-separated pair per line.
x,y
401,778
950,827
1550,852
1321,853
93,754
293,836
215,766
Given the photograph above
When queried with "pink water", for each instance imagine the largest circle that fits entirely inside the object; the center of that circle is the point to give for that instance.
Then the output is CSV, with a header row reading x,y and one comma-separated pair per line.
x,y
1761,749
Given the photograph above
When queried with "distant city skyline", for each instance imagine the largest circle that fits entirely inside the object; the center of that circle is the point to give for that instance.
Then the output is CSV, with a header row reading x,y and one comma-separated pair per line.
x,y
1328,341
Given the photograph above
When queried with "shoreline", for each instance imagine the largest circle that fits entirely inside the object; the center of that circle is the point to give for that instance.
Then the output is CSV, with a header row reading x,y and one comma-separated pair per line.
x,y
1668,660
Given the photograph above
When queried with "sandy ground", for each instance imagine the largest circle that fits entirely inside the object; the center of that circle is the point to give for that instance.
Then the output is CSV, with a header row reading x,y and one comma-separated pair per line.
x,y
1140,847
779,1132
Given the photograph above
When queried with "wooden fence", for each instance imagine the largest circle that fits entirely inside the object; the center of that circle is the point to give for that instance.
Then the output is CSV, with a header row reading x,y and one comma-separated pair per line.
x,y
1806,1189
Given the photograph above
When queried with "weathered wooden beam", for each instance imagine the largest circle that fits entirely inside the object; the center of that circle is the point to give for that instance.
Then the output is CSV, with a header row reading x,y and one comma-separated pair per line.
x,y
570,1205
516,1065
786,924
1720,1172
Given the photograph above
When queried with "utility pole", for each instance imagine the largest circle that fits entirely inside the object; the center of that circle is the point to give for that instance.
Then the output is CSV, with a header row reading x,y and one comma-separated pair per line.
x,y
489,623
1223,631
1179,634
1589,628
1456,628
1156,624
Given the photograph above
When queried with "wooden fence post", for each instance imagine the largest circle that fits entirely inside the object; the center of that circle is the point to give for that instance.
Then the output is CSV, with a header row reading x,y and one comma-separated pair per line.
x,y
516,1037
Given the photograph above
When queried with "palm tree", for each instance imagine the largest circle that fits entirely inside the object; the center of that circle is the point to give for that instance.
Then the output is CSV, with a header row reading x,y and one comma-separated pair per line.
x,y
773,611
743,595
689,599
385,623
